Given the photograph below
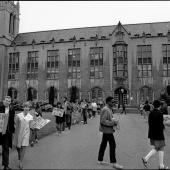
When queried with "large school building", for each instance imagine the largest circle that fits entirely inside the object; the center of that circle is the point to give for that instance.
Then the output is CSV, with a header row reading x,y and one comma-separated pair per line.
x,y
130,62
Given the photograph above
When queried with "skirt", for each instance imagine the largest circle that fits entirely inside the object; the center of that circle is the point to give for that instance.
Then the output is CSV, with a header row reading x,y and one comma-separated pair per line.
x,y
157,143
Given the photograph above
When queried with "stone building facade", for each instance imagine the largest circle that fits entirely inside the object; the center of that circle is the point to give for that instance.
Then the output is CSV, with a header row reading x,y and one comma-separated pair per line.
x,y
130,62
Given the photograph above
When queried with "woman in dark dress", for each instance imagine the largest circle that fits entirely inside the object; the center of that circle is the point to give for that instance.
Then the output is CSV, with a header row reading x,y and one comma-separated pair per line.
x,y
156,135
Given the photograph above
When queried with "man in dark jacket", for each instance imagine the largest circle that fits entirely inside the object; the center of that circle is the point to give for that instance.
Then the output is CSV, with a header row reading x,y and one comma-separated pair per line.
x,y
156,134
7,131
107,123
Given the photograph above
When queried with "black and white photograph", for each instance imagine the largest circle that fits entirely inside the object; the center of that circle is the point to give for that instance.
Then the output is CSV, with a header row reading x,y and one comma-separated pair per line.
x,y
84,85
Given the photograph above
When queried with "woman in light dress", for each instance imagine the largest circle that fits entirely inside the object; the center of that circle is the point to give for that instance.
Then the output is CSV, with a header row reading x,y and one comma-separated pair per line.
x,y
23,123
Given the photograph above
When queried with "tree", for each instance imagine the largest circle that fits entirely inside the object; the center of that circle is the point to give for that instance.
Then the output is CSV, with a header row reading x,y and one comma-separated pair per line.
x,y
51,95
30,95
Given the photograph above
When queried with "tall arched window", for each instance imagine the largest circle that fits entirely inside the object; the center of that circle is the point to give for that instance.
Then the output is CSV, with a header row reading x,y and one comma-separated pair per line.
x,y
120,62
97,93
12,92
32,94
146,93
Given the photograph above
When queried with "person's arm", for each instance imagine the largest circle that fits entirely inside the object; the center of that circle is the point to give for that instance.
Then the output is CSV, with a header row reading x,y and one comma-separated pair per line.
x,y
104,119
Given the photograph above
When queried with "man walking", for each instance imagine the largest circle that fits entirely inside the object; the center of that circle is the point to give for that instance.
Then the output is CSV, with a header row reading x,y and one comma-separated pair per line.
x,y
107,124
7,111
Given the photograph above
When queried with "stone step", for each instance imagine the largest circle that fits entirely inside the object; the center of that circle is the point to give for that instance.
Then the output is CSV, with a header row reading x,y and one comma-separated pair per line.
x,y
128,110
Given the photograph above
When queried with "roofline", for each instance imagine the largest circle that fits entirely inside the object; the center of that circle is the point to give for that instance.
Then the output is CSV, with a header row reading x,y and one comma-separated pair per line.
x,y
91,27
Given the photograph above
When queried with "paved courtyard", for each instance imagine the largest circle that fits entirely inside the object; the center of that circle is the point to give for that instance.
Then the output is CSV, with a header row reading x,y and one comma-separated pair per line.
x,y
78,148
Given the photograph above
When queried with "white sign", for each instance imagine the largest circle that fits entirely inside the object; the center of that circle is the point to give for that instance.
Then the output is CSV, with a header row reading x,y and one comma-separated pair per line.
x,y
58,112
2,121
40,122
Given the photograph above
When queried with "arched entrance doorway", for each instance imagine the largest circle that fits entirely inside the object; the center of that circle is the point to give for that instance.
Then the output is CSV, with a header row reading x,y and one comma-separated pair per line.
x,y
31,94
120,95
12,92
52,94
145,93
74,94
97,94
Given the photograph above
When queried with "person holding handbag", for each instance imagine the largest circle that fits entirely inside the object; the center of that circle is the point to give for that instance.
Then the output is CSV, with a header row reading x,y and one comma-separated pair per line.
x,y
107,124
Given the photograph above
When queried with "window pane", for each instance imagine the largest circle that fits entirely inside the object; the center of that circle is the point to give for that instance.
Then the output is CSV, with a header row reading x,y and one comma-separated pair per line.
x,y
164,72
165,60
120,60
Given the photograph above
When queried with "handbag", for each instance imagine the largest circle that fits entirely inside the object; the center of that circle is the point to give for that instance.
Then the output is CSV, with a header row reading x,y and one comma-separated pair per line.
x,y
167,122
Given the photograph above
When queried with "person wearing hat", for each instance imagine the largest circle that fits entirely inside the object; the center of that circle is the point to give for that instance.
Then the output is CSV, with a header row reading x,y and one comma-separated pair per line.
x,y
107,124
7,131
23,122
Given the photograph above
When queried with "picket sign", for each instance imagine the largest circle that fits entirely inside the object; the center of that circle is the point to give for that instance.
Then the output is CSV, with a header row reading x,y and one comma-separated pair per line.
x,y
58,112
2,121
40,122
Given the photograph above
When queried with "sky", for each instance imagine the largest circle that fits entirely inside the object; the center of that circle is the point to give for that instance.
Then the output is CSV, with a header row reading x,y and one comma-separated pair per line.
x,y
54,15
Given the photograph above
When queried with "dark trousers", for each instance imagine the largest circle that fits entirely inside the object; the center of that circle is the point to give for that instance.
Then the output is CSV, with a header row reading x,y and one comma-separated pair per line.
x,y
5,150
68,120
93,113
84,116
107,138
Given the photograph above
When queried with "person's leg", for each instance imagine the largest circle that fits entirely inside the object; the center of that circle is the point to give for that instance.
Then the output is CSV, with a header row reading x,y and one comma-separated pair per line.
x,y
5,150
23,148
36,135
86,116
149,155
60,127
19,153
32,137
83,116
161,158
102,147
112,144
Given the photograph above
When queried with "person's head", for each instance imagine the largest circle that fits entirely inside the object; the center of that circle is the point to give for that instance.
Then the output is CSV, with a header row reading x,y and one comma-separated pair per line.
x,y
156,104
7,101
65,99
110,101
146,102
26,106
59,104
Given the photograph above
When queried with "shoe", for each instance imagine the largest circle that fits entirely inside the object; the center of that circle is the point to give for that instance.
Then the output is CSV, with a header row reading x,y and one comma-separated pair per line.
x,y
117,166
7,168
164,167
32,144
102,162
20,165
144,162
36,141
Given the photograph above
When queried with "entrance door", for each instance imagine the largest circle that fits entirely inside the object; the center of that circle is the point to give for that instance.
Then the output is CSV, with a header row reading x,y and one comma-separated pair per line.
x,y
120,96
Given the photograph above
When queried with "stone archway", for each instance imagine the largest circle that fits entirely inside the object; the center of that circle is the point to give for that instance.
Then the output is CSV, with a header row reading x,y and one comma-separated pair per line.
x,y
74,93
12,92
31,94
121,95
52,94
145,93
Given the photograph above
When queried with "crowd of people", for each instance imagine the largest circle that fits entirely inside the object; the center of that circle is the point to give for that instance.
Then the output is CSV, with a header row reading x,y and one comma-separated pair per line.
x,y
83,109
19,130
